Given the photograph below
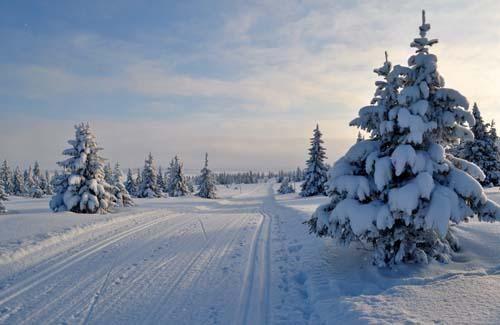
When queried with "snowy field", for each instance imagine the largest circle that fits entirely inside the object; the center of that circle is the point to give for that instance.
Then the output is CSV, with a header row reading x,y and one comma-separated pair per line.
x,y
245,258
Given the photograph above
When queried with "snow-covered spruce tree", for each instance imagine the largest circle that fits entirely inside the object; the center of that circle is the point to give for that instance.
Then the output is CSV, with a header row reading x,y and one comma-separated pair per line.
x,y
81,187
177,183
316,171
148,188
160,179
138,180
47,185
18,183
398,191
482,151
130,183
32,182
122,195
286,187
3,197
6,176
37,173
29,182
207,188
108,173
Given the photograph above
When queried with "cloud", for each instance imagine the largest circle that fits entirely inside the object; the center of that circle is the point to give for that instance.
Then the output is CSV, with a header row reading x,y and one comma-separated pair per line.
x,y
271,70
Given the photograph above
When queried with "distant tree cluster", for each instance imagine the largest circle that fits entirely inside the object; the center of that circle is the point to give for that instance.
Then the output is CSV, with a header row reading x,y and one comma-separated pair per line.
x,y
30,182
483,150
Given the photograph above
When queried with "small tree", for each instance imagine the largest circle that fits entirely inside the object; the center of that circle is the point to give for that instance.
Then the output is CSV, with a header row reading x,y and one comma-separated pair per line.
x,y
130,183
286,187
81,187
149,185
177,183
47,185
3,197
18,183
315,173
207,188
6,176
108,173
122,195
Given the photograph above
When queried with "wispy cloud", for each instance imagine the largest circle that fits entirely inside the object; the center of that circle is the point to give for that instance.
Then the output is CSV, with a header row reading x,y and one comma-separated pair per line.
x,y
281,65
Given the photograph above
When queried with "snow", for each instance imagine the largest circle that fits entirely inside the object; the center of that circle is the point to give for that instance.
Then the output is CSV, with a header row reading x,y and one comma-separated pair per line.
x,y
242,258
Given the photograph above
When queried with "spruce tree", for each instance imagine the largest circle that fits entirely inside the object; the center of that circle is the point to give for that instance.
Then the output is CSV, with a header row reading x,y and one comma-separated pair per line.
x,y
6,176
29,182
483,150
130,183
207,188
108,173
398,191
286,187
18,183
161,179
138,180
3,197
148,188
32,182
37,173
177,184
47,183
81,187
315,173
122,195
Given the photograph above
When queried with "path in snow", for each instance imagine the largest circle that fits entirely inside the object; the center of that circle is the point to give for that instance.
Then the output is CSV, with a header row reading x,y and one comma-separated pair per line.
x,y
195,261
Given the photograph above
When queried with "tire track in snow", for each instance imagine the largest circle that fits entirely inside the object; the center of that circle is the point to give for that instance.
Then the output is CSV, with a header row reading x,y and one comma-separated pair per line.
x,y
254,296
55,268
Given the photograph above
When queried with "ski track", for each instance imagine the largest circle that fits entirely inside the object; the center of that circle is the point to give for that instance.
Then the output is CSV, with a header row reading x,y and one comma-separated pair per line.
x,y
160,268
254,297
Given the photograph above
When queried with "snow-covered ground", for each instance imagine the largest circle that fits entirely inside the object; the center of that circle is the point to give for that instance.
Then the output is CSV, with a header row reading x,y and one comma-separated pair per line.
x,y
245,258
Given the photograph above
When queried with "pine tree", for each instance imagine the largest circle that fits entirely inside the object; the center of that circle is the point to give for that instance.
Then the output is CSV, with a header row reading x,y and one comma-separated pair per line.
x,y
122,195
286,187
47,185
161,179
6,176
37,173
177,184
81,187
3,197
32,182
29,182
130,183
483,150
207,188
108,173
315,173
138,180
299,175
148,188
18,183
398,191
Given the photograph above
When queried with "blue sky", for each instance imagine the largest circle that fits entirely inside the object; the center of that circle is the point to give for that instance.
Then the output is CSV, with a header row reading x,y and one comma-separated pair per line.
x,y
246,81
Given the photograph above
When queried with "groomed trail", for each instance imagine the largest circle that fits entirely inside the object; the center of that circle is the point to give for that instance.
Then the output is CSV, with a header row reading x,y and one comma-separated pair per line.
x,y
246,258
194,261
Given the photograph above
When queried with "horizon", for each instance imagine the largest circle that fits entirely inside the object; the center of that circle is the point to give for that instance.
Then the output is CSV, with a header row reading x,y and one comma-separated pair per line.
x,y
246,83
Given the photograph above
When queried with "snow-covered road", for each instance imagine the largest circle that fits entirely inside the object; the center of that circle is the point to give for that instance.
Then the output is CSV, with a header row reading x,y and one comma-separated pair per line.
x,y
193,262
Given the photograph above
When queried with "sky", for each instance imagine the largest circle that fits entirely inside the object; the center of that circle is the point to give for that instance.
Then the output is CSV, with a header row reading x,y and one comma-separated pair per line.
x,y
246,81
